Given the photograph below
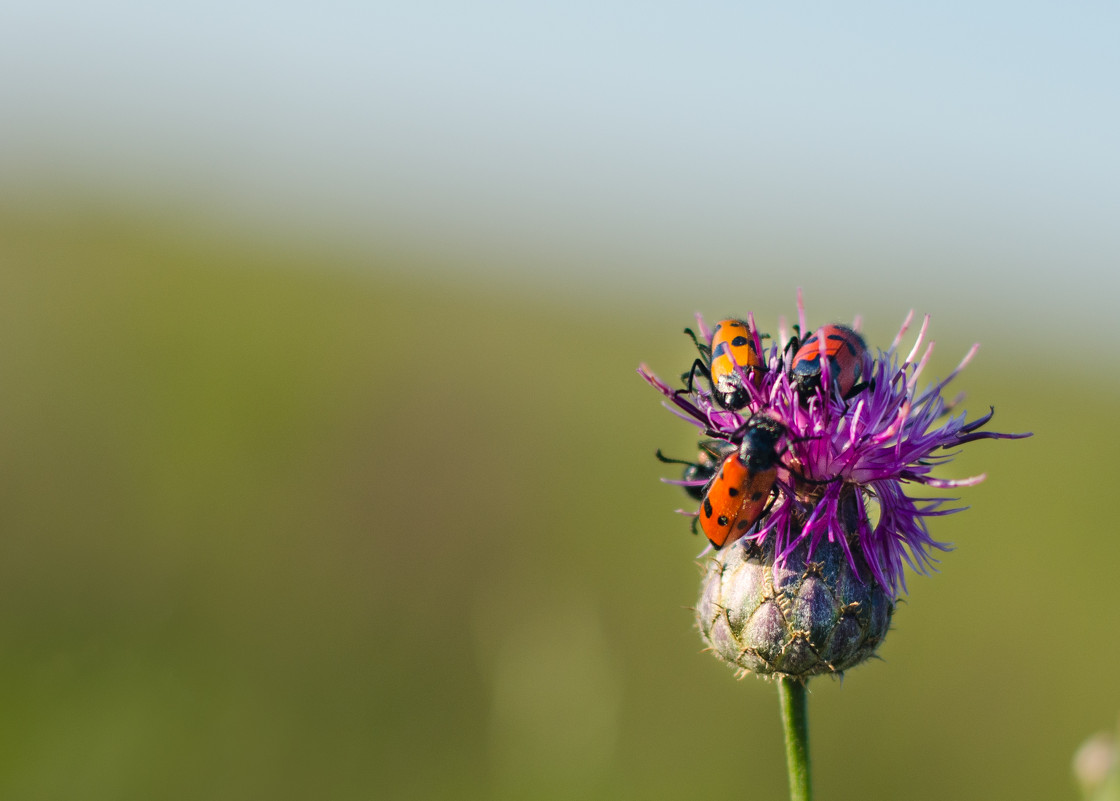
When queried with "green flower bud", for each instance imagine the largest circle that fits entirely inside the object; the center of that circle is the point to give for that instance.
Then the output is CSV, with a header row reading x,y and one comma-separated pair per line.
x,y
798,619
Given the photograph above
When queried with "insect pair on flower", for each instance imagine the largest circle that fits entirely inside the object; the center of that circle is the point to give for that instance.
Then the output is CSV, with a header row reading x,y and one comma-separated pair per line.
x,y
733,358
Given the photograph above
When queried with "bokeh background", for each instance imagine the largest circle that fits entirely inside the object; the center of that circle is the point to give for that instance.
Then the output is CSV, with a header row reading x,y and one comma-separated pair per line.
x,y
324,468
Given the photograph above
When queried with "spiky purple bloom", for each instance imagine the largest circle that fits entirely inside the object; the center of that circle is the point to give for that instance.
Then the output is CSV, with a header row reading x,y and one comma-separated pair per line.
x,y
862,449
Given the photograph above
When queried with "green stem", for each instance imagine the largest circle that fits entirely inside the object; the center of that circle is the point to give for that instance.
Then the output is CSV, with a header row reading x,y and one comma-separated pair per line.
x,y
795,721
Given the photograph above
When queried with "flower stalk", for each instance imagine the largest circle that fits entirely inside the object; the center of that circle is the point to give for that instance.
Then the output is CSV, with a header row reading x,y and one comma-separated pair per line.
x,y
793,696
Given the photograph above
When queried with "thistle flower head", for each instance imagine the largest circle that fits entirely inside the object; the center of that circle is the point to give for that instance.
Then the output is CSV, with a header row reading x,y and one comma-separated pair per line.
x,y
857,434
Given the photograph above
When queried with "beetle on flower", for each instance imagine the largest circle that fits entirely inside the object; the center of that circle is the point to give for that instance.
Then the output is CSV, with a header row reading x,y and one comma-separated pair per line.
x,y
839,528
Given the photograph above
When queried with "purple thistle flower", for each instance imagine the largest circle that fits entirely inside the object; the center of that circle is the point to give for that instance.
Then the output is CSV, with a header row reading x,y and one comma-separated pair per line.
x,y
838,450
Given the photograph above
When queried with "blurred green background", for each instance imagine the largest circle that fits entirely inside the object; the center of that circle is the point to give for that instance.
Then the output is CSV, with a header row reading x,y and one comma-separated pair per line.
x,y
325,471
279,532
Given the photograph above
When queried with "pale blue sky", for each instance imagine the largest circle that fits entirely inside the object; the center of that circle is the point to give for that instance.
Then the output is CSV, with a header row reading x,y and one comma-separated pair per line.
x,y
960,156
